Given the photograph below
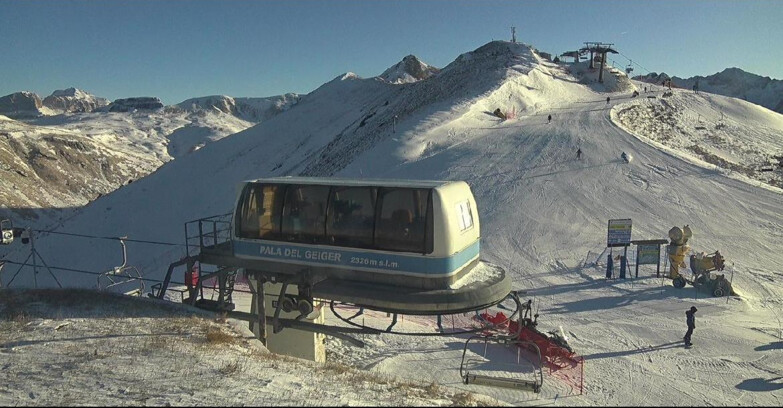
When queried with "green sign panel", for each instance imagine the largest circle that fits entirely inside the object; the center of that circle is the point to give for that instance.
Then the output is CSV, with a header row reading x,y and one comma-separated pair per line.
x,y
648,254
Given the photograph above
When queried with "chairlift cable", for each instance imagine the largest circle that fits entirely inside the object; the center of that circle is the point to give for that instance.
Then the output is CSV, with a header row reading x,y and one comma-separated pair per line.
x,y
634,63
109,238
100,273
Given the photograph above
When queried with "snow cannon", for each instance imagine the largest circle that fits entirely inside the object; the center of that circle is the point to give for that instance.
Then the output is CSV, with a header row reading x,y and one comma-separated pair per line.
x,y
701,265
677,249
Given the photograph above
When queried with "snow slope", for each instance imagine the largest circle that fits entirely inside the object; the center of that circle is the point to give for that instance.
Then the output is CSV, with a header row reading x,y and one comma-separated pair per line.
x,y
704,127
733,82
543,213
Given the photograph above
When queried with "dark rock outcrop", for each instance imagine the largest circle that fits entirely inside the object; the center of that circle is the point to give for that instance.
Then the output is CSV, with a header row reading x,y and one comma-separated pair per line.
x,y
139,103
21,104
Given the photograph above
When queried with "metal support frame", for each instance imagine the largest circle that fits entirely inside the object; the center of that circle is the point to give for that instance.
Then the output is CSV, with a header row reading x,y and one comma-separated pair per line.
x,y
33,254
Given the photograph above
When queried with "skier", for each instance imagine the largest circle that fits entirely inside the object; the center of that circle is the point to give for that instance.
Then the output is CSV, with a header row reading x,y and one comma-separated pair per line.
x,y
690,319
549,119
626,157
579,154
607,99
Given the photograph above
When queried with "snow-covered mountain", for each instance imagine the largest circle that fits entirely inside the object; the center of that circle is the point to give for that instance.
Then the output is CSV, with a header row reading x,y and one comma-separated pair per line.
x,y
48,169
52,164
74,147
74,100
410,69
250,109
734,82
543,215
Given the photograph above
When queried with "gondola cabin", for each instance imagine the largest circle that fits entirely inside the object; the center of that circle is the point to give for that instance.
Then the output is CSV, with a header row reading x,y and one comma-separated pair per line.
x,y
418,234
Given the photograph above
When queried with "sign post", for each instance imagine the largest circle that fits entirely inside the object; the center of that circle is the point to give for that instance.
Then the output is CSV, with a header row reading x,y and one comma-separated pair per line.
x,y
619,234
648,252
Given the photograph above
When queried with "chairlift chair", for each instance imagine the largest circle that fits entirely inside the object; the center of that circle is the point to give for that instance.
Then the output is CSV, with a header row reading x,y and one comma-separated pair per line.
x,y
122,274
479,378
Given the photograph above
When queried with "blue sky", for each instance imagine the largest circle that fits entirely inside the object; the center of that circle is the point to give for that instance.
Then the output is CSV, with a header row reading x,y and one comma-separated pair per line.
x,y
181,49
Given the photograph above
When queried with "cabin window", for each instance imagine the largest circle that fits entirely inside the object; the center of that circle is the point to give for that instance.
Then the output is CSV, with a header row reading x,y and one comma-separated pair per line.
x,y
402,219
260,211
248,220
304,214
351,216
464,216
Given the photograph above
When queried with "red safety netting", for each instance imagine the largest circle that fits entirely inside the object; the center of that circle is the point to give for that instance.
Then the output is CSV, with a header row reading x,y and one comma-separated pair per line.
x,y
562,363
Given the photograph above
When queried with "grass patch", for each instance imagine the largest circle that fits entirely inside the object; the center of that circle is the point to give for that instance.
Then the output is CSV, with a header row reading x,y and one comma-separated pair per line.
x,y
463,399
216,336
231,368
432,390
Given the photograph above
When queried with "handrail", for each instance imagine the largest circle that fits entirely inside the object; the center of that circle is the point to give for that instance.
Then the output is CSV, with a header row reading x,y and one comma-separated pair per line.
x,y
209,232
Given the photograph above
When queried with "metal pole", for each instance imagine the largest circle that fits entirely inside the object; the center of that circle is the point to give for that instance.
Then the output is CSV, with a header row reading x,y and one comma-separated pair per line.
x,y
35,266
260,308
637,261
19,269
731,283
625,259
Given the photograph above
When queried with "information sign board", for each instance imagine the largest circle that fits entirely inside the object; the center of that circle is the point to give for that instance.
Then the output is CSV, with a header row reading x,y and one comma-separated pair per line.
x,y
619,233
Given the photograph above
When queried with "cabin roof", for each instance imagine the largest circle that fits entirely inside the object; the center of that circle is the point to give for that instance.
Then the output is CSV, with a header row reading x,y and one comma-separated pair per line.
x,y
332,181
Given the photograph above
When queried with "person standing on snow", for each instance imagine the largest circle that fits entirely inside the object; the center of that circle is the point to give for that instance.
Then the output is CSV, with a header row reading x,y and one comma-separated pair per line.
x,y
607,99
549,119
690,320
579,154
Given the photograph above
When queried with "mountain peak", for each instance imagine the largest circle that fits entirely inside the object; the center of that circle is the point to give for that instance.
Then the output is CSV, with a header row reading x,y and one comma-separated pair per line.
x,y
410,69
74,100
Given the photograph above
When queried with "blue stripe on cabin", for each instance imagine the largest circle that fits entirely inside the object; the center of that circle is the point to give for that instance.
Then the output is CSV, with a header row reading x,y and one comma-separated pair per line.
x,y
356,259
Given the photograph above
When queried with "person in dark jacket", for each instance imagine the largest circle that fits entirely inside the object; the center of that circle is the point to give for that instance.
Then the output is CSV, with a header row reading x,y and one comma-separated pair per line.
x,y
549,119
690,319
